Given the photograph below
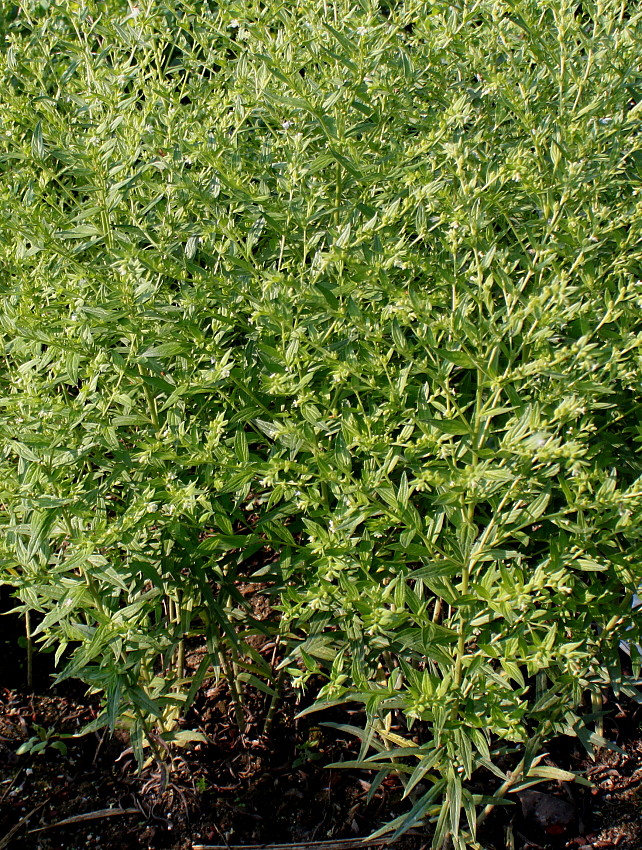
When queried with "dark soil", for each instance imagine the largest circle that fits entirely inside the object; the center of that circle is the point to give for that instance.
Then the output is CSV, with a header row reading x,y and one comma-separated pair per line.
x,y
255,788
237,789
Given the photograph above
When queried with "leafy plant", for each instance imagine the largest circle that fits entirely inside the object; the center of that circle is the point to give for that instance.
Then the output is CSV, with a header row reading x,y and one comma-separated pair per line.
x,y
343,298
42,740
309,750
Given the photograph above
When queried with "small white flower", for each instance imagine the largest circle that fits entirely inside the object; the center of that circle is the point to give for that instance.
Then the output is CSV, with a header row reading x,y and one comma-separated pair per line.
x,y
287,124
362,31
234,24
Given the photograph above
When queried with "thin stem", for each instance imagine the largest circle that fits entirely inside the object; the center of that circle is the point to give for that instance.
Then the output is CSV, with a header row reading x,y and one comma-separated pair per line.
x,y
175,618
436,614
151,404
513,778
234,691
469,521
269,718
29,640
338,192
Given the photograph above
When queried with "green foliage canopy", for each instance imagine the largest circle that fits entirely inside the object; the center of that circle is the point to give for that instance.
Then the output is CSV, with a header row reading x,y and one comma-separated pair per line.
x,y
344,296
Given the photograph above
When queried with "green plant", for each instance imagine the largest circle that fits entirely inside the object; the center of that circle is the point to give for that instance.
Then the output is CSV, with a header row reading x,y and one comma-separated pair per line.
x,y
309,750
344,297
42,740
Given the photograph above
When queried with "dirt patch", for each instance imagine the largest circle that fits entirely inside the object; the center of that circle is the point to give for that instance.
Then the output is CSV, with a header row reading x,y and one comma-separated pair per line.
x,y
236,789
85,792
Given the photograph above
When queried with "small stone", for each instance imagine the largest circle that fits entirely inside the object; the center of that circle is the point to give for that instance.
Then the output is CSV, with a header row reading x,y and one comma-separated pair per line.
x,y
553,814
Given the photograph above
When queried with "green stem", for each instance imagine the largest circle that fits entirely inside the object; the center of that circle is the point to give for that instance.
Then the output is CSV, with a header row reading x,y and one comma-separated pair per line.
x,y
337,195
513,777
234,691
151,404
461,640
147,732
470,557
29,650
436,614
269,718
175,617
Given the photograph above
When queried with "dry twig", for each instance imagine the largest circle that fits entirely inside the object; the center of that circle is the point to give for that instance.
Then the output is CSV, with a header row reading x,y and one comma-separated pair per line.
x,y
98,814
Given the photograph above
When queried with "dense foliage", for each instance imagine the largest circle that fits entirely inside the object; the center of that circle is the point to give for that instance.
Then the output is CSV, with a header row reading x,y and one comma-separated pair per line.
x,y
342,297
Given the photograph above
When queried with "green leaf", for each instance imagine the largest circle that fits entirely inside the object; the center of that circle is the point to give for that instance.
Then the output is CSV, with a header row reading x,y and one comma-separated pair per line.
x,y
183,737
427,763
163,349
142,701
449,426
241,447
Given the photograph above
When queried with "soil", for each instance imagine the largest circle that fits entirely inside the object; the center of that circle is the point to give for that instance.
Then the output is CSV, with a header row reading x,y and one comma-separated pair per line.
x,y
235,790
251,788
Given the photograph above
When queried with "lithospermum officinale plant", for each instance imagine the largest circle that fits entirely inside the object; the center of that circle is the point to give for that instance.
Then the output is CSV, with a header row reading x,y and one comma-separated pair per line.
x,y
344,296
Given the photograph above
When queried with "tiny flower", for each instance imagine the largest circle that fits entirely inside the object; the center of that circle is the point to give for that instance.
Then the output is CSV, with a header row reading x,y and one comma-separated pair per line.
x,y
287,124
234,24
362,31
